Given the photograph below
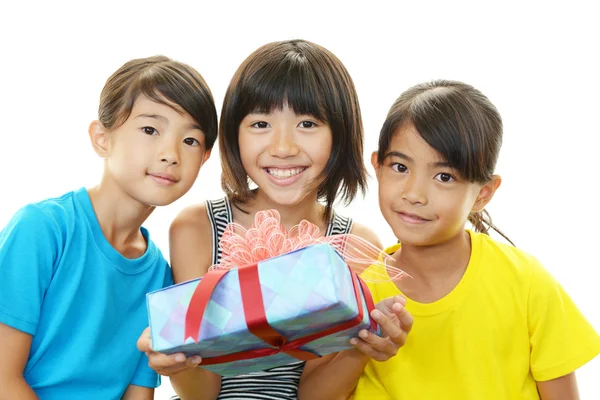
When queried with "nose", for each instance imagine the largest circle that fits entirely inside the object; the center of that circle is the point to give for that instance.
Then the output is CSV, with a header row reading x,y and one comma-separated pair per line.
x,y
169,152
283,143
414,191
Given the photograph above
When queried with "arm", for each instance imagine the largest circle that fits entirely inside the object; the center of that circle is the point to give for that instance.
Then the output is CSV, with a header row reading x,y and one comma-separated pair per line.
x,y
346,367
134,392
561,339
190,243
28,247
563,388
14,347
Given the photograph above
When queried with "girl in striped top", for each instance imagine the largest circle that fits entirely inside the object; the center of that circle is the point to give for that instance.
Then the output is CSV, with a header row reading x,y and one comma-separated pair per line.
x,y
291,125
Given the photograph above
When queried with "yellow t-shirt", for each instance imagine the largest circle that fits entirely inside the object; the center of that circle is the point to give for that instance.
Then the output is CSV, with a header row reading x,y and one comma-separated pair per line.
x,y
506,325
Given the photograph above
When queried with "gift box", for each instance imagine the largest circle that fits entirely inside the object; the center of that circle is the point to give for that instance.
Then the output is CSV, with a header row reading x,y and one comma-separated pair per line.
x,y
297,306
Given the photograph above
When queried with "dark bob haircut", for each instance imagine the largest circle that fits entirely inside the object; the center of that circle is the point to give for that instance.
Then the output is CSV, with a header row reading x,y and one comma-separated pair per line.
x,y
311,81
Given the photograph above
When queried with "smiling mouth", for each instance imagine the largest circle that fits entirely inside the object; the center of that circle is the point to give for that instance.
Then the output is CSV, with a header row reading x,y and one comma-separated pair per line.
x,y
282,173
412,218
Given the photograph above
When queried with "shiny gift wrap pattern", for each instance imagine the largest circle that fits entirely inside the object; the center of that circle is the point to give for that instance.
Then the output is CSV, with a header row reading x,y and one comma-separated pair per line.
x,y
304,292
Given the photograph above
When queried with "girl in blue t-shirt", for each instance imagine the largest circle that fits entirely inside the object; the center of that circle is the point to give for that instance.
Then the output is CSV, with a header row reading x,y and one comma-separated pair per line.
x,y
74,270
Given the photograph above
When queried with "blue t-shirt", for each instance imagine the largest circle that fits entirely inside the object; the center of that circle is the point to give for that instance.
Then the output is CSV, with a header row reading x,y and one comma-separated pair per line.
x,y
83,302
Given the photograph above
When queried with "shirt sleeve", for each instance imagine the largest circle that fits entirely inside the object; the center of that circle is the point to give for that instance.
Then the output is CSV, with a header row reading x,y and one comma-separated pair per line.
x,y
168,279
561,339
144,375
29,247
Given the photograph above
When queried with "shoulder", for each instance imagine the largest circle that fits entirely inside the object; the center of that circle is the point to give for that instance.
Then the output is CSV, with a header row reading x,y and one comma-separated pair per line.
x,y
505,259
190,243
191,220
366,233
44,220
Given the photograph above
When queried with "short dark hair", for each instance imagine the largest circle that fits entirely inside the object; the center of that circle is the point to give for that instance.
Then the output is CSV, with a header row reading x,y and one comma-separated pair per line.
x,y
158,78
456,120
310,80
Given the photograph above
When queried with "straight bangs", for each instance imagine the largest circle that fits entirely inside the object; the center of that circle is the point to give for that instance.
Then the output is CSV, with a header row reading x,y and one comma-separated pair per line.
x,y
457,129
180,90
292,82
454,125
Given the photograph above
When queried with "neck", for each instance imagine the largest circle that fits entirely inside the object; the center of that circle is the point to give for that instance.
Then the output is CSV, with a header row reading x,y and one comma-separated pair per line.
x,y
309,209
119,215
436,262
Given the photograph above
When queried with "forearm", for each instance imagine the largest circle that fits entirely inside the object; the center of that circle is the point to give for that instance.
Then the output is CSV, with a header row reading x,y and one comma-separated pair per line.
x,y
335,379
16,388
196,384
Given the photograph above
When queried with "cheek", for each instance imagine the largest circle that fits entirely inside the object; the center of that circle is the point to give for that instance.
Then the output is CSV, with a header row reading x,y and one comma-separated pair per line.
x,y
453,208
387,193
325,147
191,159
250,148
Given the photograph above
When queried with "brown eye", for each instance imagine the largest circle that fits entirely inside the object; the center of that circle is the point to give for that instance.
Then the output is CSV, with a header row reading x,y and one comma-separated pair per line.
x,y
307,124
260,125
191,141
148,130
443,177
399,167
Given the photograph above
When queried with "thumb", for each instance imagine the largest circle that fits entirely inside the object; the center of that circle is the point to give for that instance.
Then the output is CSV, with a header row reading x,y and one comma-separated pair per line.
x,y
144,342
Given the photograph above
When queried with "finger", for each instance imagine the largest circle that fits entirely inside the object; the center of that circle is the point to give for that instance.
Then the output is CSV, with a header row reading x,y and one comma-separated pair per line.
x,y
400,299
406,319
394,332
389,325
386,306
190,362
163,362
368,349
193,362
379,344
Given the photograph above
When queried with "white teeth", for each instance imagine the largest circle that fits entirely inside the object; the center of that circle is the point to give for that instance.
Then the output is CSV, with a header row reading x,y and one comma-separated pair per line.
x,y
284,173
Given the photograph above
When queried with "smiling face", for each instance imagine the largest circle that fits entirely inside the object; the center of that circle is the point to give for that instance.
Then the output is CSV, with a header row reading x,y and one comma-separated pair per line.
x,y
155,155
424,201
285,154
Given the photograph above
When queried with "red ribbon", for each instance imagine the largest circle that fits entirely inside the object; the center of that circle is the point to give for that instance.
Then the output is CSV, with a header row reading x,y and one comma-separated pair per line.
x,y
256,319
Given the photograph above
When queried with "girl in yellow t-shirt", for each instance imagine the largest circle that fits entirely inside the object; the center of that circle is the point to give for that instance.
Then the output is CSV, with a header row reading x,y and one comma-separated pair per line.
x,y
490,322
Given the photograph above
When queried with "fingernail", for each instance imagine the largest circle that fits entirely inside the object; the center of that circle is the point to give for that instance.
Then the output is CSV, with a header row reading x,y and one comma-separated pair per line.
x,y
196,360
376,314
354,341
180,358
363,334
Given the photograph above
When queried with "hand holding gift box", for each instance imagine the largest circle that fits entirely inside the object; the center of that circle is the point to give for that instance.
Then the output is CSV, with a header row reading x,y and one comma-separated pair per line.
x,y
275,298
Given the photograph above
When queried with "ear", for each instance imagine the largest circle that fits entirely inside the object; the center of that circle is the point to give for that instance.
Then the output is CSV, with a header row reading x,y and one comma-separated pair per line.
x,y
486,192
206,156
375,164
99,138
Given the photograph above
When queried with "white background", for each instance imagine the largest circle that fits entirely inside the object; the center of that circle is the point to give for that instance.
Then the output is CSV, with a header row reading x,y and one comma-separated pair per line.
x,y
537,63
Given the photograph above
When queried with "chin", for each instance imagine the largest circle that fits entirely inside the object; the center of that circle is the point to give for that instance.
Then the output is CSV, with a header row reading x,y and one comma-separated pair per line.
x,y
288,199
156,200
412,238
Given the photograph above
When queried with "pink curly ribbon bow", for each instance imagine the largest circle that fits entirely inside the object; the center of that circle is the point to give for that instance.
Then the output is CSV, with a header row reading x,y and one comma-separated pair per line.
x,y
268,238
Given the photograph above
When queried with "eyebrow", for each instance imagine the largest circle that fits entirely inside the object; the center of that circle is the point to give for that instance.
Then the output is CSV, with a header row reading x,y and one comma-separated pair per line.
x,y
439,164
153,116
164,119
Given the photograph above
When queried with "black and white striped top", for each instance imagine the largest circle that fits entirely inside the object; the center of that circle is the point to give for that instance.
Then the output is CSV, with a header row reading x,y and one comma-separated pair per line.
x,y
279,383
